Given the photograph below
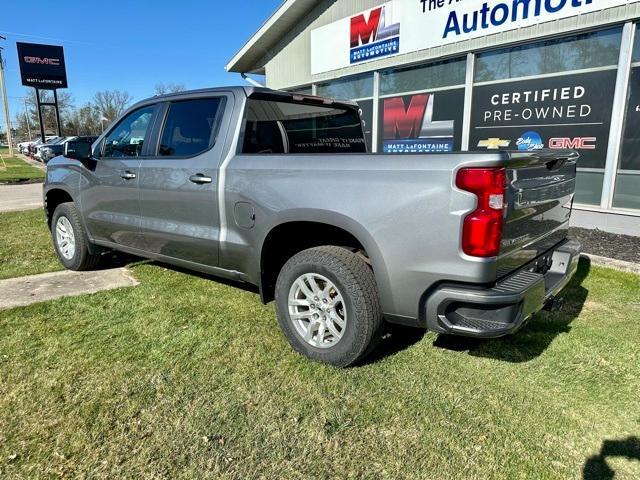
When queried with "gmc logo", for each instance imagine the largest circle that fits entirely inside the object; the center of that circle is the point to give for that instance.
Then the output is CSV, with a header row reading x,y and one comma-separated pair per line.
x,y
577,143
43,61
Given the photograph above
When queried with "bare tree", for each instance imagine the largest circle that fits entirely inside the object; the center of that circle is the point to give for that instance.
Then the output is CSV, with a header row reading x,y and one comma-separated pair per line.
x,y
111,103
65,107
84,121
164,88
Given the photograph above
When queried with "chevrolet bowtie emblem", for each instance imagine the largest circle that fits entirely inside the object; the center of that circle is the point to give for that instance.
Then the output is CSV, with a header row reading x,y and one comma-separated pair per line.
x,y
494,143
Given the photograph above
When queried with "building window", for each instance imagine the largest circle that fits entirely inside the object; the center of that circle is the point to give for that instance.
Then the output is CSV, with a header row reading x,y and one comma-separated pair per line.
x,y
423,78
627,191
555,94
578,52
351,88
421,108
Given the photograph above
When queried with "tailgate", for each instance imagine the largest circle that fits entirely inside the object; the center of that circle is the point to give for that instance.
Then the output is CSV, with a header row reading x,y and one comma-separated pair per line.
x,y
540,192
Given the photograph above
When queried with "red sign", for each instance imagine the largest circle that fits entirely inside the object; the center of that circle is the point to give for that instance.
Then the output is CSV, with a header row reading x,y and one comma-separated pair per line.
x,y
363,31
577,143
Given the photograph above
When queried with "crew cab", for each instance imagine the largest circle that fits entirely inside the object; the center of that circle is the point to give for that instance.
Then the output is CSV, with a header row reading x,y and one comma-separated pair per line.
x,y
278,190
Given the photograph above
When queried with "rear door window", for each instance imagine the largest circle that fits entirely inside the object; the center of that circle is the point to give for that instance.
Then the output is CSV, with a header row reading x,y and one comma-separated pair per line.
x,y
189,127
290,127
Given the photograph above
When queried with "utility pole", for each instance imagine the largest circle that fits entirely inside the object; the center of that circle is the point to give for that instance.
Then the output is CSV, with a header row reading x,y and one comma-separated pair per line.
x,y
26,116
5,102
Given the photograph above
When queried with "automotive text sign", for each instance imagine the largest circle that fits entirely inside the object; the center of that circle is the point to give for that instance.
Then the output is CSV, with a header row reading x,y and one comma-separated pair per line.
x,y
404,26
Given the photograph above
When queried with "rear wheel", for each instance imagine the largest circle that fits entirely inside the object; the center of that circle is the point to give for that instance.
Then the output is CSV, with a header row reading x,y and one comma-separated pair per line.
x,y
70,239
327,304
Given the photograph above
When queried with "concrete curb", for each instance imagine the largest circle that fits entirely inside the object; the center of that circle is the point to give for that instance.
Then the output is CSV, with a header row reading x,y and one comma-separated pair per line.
x,y
23,291
613,263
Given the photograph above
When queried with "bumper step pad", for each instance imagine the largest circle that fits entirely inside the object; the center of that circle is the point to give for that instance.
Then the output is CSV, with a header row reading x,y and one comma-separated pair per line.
x,y
504,308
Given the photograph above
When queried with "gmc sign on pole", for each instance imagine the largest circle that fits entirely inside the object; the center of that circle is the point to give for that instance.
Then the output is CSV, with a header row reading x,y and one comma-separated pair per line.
x,y
42,66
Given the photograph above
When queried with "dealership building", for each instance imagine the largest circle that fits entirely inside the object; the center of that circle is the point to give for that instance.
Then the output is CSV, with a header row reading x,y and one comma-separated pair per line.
x,y
473,75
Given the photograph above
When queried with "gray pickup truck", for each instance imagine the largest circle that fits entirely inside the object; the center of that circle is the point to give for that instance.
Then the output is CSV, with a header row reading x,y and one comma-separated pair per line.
x,y
277,190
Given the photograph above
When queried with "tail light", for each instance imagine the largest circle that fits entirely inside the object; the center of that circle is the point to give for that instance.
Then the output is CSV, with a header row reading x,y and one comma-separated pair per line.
x,y
482,230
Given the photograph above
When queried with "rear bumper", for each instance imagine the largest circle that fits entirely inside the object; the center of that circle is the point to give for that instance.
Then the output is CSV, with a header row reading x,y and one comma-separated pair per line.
x,y
506,307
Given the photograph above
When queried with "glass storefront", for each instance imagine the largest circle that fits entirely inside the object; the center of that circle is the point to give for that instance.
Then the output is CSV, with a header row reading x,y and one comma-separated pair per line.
x,y
556,94
627,190
424,77
552,94
360,86
421,108
577,52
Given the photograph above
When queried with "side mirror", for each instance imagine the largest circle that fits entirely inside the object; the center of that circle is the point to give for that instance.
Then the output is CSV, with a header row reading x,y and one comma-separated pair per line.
x,y
77,150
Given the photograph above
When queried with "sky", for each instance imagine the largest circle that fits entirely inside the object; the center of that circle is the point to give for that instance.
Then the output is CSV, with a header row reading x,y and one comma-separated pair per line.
x,y
131,45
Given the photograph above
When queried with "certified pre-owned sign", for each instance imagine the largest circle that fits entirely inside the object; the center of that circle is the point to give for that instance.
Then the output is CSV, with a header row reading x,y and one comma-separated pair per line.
x,y
42,66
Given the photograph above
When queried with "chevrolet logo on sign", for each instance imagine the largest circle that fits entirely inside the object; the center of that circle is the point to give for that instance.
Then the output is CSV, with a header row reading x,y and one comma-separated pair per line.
x,y
494,143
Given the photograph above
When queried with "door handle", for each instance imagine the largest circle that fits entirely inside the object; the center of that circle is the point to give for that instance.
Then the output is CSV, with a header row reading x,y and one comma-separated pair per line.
x,y
128,175
200,179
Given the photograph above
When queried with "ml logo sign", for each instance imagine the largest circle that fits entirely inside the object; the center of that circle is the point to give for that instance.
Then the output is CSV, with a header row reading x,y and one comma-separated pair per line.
x,y
372,37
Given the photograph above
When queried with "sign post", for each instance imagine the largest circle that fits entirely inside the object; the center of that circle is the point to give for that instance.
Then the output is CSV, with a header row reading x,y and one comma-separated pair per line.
x,y
43,67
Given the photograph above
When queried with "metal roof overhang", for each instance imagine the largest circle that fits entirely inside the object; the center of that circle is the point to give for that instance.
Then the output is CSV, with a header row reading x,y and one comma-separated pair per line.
x,y
250,58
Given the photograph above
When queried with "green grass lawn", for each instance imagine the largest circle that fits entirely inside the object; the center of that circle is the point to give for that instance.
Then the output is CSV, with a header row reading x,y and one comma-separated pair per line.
x,y
14,170
183,377
25,245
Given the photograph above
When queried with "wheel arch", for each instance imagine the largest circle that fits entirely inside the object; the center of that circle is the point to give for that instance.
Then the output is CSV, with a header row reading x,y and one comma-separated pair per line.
x,y
313,228
54,196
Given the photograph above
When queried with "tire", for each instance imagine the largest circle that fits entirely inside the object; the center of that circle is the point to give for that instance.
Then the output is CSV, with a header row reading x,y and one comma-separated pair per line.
x,y
81,258
352,300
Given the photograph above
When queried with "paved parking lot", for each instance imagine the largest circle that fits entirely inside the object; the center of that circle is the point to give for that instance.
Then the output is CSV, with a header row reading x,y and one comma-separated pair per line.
x,y
20,197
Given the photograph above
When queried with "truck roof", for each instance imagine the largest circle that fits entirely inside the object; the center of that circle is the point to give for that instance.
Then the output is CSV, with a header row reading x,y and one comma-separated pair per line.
x,y
247,90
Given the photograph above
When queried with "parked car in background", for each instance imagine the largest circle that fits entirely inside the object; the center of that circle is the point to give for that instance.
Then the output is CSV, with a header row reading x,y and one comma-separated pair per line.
x,y
33,147
277,190
47,152
38,149
23,147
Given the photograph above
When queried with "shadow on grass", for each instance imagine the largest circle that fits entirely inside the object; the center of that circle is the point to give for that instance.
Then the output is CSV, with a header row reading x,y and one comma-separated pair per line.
x,y
395,339
525,345
224,281
596,467
113,259
536,336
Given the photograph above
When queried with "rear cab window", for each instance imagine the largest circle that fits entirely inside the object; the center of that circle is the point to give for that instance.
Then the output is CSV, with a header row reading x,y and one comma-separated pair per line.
x,y
277,125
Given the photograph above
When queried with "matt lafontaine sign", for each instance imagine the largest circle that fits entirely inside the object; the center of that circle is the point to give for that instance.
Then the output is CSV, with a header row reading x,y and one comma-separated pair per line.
x,y
404,26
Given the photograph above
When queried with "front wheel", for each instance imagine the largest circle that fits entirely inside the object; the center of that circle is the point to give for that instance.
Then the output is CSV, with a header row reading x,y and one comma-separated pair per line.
x,y
327,304
70,239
